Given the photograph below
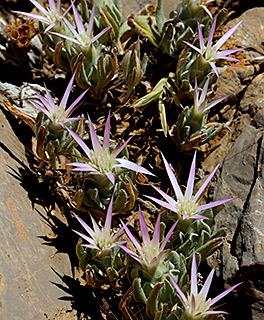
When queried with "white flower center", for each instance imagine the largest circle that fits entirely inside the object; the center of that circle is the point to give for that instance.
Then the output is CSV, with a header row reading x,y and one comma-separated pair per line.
x,y
149,251
201,306
84,39
53,15
186,206
102,160
103,239
210,53
59,114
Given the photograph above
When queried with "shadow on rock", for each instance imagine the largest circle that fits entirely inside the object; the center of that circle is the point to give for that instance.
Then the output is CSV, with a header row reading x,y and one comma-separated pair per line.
x,y
89,303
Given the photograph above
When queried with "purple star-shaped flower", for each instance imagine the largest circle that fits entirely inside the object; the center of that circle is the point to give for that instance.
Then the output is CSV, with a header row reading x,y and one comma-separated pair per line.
x,y
209,51
186,204
196,307
101,238
83,36
59,114
102,159
52,16
151,251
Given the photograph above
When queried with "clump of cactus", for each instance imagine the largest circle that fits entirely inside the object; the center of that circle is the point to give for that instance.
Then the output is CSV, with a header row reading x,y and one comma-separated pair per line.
x,y
53,139
108,172
192,231
191,128
168,34
101,259
104,54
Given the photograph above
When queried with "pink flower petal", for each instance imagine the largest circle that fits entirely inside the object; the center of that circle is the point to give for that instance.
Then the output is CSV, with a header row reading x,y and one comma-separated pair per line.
x,y
190,183
207,284
213,66
74,119
213,204
193,47
204,92
95,141
78,20
194,275
211,34
33,16
131,166
36,4
90,246
85,225
201,39
192,309
117,234
111,177
100,34
45,102
85,237
168,235
52,4
108,218
58,5
131,253
156,234
162,203
130,235
172,178
95,226
80,142
169,199
65,37
143,227
71,107
213,103
215,312
65,97
44,110
224,53
91,20
223,294
205,184
196,216
180,293
228,34
118,149
107,132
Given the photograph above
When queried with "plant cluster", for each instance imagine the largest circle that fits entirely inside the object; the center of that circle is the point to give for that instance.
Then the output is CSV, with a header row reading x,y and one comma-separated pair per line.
x,y
90,41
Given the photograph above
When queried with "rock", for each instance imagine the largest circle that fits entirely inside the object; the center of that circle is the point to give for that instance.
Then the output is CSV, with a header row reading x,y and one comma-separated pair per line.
x,y
36,271
21,97
253,98
241,176
229,84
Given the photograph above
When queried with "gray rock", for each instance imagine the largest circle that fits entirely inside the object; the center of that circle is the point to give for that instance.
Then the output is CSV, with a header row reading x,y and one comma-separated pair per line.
x,y
21,97
28,287
241,176
253,98
37,265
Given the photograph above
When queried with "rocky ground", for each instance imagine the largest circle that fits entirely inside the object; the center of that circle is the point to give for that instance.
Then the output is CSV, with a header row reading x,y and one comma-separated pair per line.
x,y
39,277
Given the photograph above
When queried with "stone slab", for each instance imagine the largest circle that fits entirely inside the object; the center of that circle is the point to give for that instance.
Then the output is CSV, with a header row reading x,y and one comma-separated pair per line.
x,y
28,279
